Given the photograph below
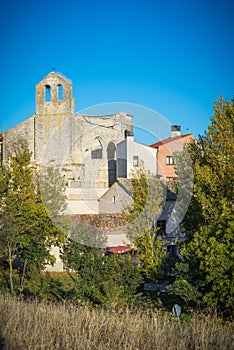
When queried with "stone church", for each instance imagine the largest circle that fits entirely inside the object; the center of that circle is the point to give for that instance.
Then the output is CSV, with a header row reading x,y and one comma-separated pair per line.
x,y
73,142
96,155
91,152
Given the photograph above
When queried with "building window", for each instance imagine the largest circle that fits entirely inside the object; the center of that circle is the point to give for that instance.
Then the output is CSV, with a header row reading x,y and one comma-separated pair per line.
x,y
60,92
47,93
135,161
111,151
172,250
170,160
170,179
111,156
161,225
96,152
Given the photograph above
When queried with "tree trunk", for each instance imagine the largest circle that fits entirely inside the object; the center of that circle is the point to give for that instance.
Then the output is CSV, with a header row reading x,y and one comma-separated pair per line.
x,y
11,270
23,275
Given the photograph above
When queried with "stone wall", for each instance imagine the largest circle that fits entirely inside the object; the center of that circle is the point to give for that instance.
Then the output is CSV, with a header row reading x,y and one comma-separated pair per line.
x,y
76,144
22,131
116,198
49,98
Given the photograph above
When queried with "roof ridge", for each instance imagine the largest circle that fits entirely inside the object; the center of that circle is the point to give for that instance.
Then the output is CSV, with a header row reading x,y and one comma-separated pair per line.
x,y
169,139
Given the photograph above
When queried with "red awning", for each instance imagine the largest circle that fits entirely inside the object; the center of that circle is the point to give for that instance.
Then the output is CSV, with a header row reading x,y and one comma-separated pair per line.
x,y
119,249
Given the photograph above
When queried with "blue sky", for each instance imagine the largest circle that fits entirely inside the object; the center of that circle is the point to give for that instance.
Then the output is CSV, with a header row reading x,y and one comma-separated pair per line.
x,y
174,57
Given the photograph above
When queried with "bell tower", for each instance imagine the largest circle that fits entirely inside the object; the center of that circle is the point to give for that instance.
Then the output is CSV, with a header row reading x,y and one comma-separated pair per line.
x,y
54,96
52,123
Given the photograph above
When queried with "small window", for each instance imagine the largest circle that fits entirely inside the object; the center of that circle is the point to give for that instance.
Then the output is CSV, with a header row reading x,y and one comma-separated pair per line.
x,y
48,93
135,161
170,179
161,225
170,160
60,92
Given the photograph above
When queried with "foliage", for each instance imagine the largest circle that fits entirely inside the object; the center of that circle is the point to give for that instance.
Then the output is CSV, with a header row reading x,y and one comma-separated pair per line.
x,y
147,195
100,279
27,232
183,186
183,286
209,224
151,252
52,194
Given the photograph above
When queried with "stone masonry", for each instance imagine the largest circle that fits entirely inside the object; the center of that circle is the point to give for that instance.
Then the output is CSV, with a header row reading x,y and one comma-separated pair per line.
x,y
81,146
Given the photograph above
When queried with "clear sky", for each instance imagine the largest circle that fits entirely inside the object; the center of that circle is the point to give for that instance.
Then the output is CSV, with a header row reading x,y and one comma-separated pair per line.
x,y
174,57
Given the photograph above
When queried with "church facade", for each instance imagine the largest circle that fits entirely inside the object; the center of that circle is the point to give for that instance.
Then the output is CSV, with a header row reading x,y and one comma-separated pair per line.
x,y
91,152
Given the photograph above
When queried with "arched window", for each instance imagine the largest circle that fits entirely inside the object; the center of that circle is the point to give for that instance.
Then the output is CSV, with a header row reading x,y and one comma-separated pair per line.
x,y
96,152
47,93
60,92
111,151
111,156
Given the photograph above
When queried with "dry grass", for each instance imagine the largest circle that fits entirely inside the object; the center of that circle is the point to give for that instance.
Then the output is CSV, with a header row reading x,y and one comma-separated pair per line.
x,y
35,326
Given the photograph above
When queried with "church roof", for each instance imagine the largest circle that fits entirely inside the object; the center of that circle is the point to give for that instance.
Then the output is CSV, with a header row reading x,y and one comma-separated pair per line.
x,y
59,75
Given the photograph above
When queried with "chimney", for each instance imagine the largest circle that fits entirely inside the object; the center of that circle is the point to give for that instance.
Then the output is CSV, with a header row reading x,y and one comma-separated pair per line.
x,y
175,130
128,134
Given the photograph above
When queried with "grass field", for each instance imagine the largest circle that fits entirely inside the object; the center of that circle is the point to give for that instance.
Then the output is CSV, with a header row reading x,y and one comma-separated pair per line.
x,y
32,325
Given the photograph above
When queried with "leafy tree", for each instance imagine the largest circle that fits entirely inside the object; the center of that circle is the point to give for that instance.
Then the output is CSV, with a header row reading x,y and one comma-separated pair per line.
x,y
99,279
208,254
148,196
27,232
52,194
128,275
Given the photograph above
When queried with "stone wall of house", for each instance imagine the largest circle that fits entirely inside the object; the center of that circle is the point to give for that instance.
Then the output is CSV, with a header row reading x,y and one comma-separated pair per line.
x,y
116,198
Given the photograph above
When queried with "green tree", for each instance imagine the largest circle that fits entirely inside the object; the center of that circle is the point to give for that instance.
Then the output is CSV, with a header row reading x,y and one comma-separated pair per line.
x,y
52,194
208,254
27,232
148,198
99,279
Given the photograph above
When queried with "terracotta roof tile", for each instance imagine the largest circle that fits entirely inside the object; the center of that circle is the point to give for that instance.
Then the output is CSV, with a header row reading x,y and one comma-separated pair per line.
x,y
169,139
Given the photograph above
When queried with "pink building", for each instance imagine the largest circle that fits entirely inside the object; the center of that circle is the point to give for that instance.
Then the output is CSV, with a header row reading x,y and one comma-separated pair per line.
x,y
166,148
